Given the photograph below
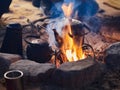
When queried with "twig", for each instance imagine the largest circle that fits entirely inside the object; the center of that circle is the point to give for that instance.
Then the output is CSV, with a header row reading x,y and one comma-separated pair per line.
x,y
35,21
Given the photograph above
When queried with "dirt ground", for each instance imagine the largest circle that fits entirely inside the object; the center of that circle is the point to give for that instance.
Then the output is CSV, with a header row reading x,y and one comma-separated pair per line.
x,y
108,10
21,10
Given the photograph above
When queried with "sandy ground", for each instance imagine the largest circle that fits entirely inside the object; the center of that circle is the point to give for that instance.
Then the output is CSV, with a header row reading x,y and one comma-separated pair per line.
x,y
21,10
108,10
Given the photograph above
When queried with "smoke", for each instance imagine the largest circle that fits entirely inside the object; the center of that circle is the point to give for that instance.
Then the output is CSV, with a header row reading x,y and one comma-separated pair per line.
x,y
85,9
57,24
95,23
56,10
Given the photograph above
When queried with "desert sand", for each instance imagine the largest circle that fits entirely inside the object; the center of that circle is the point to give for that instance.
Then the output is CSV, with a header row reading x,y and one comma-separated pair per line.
x,y
21,10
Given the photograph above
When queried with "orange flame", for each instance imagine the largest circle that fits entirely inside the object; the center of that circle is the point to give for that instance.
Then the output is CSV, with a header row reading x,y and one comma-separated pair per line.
x,y
67,9
71,48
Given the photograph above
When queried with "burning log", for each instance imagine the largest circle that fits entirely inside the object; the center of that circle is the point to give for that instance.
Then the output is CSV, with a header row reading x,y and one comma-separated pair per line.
x,y
58,38
60,56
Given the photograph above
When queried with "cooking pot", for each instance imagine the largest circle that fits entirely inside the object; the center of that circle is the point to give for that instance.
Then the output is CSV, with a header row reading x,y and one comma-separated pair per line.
x,y
37,49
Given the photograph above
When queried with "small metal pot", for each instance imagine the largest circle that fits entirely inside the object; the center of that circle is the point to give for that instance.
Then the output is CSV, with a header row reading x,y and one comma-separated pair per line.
x,y
39,52
12,42
14,80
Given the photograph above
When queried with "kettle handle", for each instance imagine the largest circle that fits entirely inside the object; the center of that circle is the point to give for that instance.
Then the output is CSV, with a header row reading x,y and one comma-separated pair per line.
x,y
30,36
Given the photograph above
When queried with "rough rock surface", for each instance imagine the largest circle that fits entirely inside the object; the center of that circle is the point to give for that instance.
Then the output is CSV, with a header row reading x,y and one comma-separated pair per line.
x,y
112,56
77,74
6,60
110,28
4,66
11,57
34,72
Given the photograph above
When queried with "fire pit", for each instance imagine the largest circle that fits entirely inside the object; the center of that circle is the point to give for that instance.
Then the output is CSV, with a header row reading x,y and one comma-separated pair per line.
x,y
66,37
61,43
69,45
71,55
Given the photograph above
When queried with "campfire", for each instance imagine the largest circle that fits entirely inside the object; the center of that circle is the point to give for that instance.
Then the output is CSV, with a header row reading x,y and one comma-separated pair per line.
x,y
65,37
66,51
69,37
70,43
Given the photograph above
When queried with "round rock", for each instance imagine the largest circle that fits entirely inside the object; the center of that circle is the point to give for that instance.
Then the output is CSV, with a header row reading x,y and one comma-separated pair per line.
x,y
33,71
4,66
112,56
77,74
